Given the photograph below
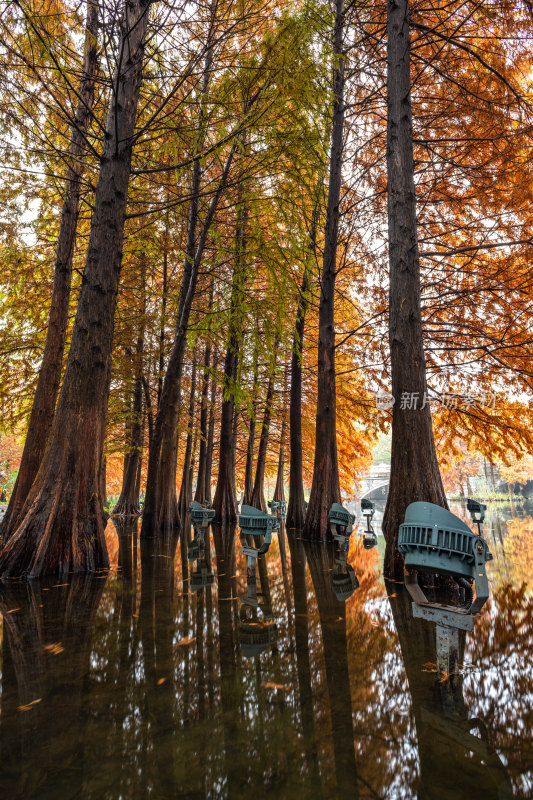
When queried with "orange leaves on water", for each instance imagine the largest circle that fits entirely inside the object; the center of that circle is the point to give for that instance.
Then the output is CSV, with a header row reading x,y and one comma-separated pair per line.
x,y
185,641
29,706
54,649
271,685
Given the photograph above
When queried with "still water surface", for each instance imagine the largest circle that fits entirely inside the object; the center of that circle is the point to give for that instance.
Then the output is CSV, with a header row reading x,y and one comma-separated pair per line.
x,y
174,676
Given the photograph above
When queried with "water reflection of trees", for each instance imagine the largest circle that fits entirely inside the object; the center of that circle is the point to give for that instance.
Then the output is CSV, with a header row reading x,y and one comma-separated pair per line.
x,y
45,666
163,702
456,757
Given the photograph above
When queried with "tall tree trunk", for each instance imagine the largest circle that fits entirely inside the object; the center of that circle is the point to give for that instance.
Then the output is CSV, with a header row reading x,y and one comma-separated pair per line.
x,y
128,502
414,468
234,436
258,494
161,478
186,484
225,501
163,320
325,488
161,504
296,505
249,471
279,491
211,431
61,527
42,413
201,481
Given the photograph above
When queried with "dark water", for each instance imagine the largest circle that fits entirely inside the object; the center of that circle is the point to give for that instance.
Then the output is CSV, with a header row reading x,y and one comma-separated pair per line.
x,y
153,682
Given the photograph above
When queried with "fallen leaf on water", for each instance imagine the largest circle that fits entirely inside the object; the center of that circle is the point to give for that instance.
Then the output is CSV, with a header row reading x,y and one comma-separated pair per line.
x,y
160,681
29,706
57,585
12,610
395,594
269,685
55,648
228,598
134,615
186,640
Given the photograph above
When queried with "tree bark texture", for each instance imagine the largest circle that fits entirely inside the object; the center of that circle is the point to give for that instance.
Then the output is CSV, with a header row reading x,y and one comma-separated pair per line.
x,y
211,431
296,505
325,488
60,527
258,494
42,413
128,502
249,469
200,494
279,491
225,500
185,497
415,471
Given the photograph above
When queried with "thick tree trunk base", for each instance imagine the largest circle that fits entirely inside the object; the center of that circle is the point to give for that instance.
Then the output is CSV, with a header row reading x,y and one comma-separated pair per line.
x,y
61,527
415,476
295,513
323,494
224,503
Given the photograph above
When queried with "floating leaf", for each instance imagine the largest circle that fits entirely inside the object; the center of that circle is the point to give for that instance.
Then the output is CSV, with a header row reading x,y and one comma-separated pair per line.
x,y
186,640
280,686
55,648
29,706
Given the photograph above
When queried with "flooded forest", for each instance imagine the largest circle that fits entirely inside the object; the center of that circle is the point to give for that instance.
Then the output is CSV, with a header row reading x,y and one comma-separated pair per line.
x,y
266,441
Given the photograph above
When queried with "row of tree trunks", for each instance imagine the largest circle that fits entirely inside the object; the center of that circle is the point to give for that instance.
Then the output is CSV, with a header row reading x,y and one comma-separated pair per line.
x,y
225,500
61,526
161,505
161,510
42,413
